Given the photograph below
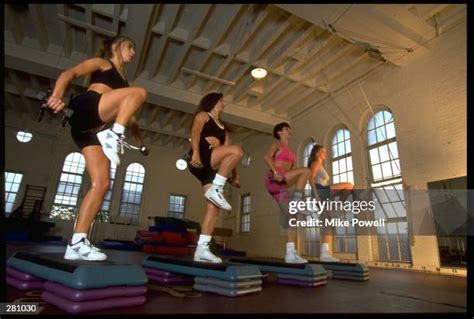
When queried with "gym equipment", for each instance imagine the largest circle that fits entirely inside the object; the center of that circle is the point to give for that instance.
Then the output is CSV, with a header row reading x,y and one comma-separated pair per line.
x,y
230,280
229,292
93,294
312,275
228,284
77,274
88,306
25,285
347,271
228,272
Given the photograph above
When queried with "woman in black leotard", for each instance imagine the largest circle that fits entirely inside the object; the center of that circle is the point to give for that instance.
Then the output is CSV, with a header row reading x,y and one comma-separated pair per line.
x,y
212,160
108,99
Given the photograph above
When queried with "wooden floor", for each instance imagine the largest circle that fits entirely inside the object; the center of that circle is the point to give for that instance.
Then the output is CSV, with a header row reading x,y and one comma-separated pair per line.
x,y
387,291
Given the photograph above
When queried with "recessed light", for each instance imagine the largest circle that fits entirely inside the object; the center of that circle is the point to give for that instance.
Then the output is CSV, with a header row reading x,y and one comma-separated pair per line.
x,y
259,73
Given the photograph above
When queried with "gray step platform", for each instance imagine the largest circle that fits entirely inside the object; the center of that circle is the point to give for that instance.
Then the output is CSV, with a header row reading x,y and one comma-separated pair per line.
x,y
77,274
229,292
280,267
223,271
228,284
349,271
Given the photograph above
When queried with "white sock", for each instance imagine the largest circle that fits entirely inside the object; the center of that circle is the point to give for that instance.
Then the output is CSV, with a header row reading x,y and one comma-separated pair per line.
x,y
219,180
117,128
76,237
325,247
204,239
290,246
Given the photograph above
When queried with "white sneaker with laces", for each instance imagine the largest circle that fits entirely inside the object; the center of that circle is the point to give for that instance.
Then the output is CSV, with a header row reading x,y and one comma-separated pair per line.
x,y
292,257
84,251
325,256
112,144
204,254
215,194
90,244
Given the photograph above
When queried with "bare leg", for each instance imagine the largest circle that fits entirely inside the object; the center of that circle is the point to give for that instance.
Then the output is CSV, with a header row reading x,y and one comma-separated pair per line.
x,y
225,158
120,104
299,177
97,166
211,217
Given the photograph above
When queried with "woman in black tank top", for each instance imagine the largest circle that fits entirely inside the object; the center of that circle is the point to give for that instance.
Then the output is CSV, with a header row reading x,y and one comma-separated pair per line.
x,y
212,160
108,100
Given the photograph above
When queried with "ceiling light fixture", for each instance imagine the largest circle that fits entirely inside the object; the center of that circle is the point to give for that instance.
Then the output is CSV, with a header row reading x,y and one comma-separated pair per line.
x,y
259,73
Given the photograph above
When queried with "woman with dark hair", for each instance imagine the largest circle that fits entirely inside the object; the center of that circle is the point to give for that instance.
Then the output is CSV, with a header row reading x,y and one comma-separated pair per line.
x,y
282,175
108,99
212,160
323,190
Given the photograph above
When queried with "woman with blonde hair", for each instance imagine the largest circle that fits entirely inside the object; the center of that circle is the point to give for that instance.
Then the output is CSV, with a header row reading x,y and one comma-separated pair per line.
x,y
97,127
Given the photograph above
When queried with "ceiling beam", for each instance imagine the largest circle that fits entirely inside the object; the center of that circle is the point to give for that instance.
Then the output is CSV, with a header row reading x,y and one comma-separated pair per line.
x,y
223,29
37,18
179,60
141,18
164,28
236,45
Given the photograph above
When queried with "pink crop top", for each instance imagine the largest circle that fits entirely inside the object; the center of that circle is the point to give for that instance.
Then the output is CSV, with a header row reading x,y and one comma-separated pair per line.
x,y
285,154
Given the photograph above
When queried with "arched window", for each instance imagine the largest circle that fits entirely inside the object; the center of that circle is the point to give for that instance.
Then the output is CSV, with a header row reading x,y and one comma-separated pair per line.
x,y
387,189
69,186
341,164
132,192
341,157
108,196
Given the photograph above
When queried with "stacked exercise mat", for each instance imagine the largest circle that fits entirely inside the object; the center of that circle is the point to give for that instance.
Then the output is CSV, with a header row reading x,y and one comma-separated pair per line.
x,y
303,275
23,281
347,271
80,286
225,279
169,236
166,277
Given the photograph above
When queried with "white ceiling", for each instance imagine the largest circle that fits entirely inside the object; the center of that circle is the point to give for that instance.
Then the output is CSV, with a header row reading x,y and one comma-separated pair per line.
x,y
220,44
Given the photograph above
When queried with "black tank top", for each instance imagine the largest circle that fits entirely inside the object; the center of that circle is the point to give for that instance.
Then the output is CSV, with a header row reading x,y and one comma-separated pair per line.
x,y
110,77
211,128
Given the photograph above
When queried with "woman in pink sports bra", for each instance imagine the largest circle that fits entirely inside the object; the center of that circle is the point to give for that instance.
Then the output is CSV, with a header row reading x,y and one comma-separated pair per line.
x,y
281,176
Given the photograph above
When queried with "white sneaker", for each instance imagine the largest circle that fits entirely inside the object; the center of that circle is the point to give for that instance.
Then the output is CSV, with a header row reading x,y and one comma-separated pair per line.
x,y
112,144
292,257
82,251
204,254
215,194
325,256
92,246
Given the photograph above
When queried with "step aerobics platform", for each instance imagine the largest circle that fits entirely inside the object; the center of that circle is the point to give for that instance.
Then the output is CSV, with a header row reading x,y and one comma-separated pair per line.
x,y
307,275
77,274
226,279
80,286
348,271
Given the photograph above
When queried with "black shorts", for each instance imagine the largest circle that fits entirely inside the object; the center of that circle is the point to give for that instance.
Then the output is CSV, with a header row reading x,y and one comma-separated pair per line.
x,y
205,174
324,192
85,122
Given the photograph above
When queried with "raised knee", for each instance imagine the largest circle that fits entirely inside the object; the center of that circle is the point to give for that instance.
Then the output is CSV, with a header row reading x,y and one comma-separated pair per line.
x,y
141,93
238,151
